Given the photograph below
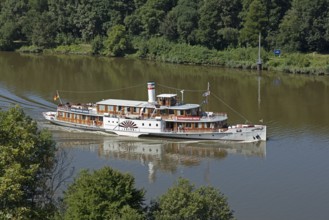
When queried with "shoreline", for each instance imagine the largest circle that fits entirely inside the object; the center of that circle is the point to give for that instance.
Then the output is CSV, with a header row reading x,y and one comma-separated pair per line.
x,y
240,58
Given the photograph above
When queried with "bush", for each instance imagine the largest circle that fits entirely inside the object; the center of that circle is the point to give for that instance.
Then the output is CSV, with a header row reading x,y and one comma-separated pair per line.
x,y
97,45
30,49
26,165
73,49
184,201
103,194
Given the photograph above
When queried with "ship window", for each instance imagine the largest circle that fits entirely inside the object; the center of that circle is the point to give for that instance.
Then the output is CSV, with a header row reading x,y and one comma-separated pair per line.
x,y
188,125
83,117
194,112
119,108
157,125
92,117
171,111
110,108
142,124
150,124
101,107
136,109
100,118
68,115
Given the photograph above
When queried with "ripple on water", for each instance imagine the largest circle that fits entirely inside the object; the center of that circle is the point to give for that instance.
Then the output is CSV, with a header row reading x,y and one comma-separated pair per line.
x,y
32,104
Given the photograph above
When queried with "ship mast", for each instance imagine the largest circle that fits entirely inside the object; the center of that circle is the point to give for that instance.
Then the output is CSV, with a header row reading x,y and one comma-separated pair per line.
x,y
206,94
259,61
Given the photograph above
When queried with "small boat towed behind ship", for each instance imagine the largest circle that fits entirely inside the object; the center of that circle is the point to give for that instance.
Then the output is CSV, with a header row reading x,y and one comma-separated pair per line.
x,y
161,116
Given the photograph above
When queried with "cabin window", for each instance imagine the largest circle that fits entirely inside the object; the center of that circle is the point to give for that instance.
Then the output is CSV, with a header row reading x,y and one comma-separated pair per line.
x,y
101,107
136,110
119,108
180,112
163,111
194,112
188,125
68,115
92,118
171,111
188,112
110,108
83,117
207,125
157,125
127,109
173,101
142,124
150,124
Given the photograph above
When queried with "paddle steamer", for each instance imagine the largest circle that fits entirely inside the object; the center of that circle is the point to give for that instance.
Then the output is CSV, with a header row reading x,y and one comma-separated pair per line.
x,y
164,115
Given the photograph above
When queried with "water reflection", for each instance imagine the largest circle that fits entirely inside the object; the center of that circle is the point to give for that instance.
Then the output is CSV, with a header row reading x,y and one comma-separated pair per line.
x,y
166,155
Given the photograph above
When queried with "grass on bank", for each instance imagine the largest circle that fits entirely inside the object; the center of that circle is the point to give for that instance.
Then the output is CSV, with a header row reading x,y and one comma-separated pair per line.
x,y
162,50
80,49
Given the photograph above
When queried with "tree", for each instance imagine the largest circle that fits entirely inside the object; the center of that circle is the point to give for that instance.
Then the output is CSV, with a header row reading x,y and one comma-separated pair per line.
x,y
27,156
305,26
117,42
255,22
184,201
103,194
12,17
147,18
39,29
181,22
219,23
276,9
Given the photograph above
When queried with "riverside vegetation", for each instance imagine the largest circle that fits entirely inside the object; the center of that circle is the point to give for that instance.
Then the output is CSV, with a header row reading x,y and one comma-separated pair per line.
x,y
212,32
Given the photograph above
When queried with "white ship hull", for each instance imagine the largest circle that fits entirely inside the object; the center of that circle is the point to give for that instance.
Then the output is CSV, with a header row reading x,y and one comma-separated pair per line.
x,y
246,135
154,128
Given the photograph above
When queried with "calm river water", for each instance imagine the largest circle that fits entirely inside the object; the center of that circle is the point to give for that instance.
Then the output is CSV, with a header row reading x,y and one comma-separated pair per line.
x,y
285,178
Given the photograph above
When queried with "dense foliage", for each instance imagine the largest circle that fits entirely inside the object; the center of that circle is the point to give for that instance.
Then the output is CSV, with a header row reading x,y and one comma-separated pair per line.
x,y
109,194
27,157
103,194
294,25
184,201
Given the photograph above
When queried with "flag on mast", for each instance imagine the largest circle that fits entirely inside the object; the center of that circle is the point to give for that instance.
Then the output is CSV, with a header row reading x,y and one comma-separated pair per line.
x,y
56,96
